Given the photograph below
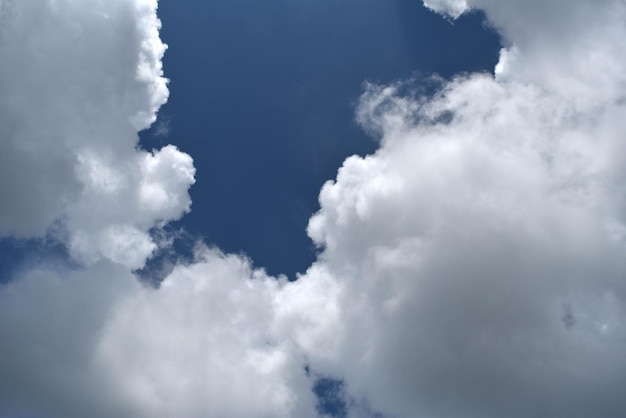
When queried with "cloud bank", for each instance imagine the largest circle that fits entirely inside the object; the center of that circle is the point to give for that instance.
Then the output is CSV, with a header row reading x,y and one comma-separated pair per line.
x,y
472,267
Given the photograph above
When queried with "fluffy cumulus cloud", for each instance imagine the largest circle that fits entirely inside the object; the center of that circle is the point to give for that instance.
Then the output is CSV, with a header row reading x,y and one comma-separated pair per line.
x,y
208,342
472,267
78,80
481,248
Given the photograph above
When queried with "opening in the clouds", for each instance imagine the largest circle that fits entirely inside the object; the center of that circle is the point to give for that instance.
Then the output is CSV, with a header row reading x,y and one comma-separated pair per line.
x,y
331,397
270,117
17,255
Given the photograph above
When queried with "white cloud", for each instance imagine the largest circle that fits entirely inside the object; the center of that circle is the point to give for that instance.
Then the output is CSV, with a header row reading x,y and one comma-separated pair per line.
x,y
572,48
480,250
78,80
206,342
122,199
452,8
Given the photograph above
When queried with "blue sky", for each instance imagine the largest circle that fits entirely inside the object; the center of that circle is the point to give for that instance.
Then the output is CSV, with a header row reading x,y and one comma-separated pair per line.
x,y
345,208
263,97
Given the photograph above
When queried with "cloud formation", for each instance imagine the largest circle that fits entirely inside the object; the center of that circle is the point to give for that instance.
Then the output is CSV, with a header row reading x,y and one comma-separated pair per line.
x,y
97,343
472,267
481,247
78,80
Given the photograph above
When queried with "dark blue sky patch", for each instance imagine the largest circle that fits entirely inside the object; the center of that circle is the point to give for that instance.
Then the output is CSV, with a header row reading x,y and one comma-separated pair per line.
x,y
178,250
331,399
17,255
263,97
334,401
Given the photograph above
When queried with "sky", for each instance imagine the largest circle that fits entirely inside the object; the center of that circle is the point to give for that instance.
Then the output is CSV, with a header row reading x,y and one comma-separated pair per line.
x,y
312,209
263,97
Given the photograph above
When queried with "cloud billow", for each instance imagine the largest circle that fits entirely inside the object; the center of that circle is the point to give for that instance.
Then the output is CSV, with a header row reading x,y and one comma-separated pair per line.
x,y
480,249
472,267
78,80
